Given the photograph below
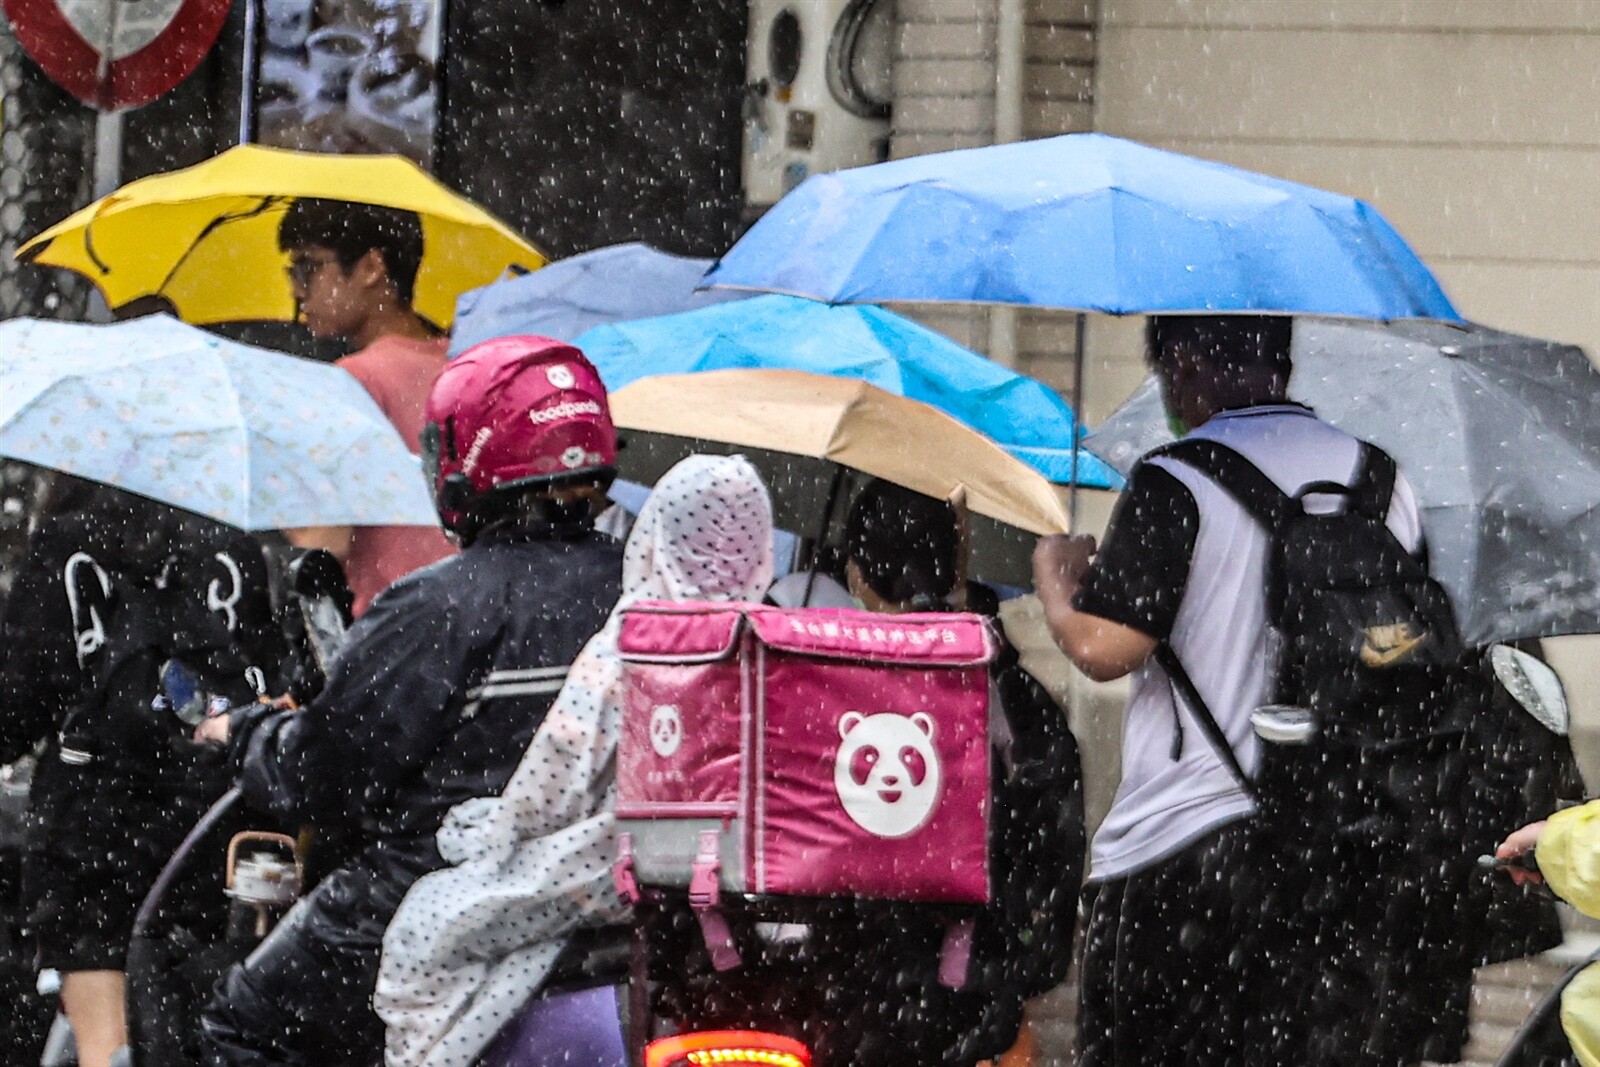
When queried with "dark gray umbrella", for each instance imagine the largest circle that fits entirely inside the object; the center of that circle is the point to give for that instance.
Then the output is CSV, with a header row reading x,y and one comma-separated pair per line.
x,y
615,284
1497,434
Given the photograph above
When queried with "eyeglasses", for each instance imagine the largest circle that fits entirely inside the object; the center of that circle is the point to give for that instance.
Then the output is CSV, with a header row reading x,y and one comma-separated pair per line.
x,y
303,268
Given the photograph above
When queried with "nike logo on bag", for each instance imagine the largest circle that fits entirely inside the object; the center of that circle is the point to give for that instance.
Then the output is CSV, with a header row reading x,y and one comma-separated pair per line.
x,y
1386,646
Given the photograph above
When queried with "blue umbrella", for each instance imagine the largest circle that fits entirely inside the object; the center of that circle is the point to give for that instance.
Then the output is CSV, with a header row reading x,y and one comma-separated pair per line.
x,y
628,281
863,342
252,438
1085,222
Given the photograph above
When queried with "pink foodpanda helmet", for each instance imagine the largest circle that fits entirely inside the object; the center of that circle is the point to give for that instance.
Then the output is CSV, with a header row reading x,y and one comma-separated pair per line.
x,y
514,413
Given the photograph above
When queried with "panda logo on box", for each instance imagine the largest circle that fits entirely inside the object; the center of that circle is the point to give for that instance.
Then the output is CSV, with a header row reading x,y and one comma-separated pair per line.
x,y
666,730
887,771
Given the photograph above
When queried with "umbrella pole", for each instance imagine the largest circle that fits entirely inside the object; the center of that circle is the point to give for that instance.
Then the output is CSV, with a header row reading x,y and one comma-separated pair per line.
x,y
834,488
1080,331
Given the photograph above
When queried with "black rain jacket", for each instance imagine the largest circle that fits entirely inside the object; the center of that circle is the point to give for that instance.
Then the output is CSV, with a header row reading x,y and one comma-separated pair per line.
x,y
436,694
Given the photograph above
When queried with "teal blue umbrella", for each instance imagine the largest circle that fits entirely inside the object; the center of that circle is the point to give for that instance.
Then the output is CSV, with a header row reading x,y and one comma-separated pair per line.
x,y
1022,415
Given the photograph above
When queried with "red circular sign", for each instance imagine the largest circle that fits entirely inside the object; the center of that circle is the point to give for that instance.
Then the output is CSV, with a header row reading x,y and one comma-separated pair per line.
x,y
117,53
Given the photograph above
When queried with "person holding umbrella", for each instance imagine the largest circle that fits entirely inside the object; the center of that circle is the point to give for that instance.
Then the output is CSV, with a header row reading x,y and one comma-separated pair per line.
x,y
206,241
353,268
1179,927
904,553
189,428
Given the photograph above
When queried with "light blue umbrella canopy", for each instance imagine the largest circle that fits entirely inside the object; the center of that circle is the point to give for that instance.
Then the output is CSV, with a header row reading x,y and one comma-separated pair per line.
x,y
627,281
864,342
1085,222
249,437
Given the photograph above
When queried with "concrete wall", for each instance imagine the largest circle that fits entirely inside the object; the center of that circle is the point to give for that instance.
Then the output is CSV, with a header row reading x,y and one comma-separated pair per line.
x,y
1473,126
944,85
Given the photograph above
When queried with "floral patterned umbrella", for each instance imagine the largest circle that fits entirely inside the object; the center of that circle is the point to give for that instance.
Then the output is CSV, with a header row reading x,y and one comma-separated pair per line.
x,y
252,438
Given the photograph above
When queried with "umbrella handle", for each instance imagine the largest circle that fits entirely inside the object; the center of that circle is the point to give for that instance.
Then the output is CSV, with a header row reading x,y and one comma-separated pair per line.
x,y
963,517
834,488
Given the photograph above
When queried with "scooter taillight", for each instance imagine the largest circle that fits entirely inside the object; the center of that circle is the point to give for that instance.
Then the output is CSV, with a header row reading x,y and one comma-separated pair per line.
x,y
727,1048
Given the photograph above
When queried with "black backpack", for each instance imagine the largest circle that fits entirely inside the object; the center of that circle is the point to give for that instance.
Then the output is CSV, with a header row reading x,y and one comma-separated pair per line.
x,y
1369,648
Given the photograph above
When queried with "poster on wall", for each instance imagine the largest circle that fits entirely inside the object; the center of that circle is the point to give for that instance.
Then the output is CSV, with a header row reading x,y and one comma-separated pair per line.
x,y
350,76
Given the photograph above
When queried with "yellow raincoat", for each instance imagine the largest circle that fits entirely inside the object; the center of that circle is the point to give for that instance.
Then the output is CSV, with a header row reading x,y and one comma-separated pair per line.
x,y
1569,859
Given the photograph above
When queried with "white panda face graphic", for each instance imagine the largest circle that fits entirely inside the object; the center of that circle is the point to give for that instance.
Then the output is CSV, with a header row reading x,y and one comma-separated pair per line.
x,y
666,730
887,771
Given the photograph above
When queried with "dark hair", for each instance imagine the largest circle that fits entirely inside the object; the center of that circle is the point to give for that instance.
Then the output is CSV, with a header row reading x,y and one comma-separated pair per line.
x,y
351,230
132,533
904,543
1231,344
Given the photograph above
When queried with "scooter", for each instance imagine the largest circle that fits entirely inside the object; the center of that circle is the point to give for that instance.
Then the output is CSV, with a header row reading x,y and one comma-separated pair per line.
x,y
200,917
177,956
1540,1040
818,983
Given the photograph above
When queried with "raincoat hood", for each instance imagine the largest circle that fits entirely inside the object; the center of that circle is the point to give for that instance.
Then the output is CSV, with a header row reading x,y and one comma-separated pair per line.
x,y
705,533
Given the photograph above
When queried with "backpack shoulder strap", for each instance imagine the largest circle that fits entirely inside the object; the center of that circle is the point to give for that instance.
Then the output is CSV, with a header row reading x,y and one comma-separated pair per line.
x,y
1167,656
1236,476
1373,487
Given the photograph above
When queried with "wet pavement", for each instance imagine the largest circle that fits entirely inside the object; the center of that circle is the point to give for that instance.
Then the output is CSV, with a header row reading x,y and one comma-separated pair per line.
x,y
1502,997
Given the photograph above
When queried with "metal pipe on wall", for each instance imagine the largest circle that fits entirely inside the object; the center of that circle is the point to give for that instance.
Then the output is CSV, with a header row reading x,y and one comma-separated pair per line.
x,y
107,152
1009,64
252,71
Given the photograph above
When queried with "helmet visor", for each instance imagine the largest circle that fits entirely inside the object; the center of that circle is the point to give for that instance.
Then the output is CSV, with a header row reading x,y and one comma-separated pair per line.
x,y
432,441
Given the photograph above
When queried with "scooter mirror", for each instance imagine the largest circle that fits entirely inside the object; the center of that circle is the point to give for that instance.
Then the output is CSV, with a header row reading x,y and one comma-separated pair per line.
x,y
1532,684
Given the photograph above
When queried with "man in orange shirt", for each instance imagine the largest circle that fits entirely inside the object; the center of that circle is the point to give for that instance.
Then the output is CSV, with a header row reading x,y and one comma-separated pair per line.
x,y
353,268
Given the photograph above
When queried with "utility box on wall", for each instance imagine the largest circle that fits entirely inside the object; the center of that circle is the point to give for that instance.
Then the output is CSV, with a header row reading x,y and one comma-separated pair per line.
x,y
818,92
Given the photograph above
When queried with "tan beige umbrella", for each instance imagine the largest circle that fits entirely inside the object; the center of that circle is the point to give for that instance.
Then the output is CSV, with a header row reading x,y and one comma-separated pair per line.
x,y
811,434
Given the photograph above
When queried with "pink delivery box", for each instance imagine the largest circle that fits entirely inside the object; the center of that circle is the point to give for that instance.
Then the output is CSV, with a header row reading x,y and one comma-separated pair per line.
x,y
823,752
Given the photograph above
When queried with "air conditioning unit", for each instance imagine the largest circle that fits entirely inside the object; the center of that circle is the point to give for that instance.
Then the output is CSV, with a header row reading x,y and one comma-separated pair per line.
x,y
818,93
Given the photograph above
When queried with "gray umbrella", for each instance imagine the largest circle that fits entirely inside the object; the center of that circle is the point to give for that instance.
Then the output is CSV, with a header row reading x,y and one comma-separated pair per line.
x,y
615,284
1497,434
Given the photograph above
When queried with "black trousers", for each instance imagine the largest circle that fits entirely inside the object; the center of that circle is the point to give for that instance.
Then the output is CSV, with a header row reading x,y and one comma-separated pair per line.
x,y
1183,962
305,995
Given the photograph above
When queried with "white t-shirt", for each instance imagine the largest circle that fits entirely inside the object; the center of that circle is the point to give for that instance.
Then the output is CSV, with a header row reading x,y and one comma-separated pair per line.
x,y
1185,563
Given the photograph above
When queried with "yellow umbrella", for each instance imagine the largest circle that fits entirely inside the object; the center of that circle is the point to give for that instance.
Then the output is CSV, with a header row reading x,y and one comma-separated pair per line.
x,y
804,432
206,238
